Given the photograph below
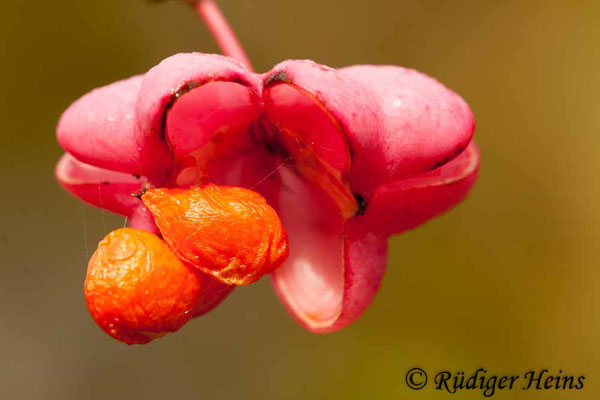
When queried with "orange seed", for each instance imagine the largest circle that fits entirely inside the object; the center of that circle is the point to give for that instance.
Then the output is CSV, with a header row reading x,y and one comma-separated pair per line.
x,y
228,232
137,289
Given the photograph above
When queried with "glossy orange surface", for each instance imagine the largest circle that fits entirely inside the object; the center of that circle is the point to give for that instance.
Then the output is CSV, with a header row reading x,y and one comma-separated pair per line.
x,y
137,289
230,233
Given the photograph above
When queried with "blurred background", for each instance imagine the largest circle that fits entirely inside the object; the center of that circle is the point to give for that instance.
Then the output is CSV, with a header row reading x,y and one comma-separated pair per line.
x,y
507,281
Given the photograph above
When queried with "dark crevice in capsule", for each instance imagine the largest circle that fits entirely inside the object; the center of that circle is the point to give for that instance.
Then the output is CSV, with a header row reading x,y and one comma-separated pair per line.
x,y
362,204
280,76
139,195
449,158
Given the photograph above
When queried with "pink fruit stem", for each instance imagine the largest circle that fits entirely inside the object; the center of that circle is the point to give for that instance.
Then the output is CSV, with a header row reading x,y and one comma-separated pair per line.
x,y
216,22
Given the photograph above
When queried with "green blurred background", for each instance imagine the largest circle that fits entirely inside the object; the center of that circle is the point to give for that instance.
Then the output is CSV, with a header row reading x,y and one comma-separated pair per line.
x,y
508,281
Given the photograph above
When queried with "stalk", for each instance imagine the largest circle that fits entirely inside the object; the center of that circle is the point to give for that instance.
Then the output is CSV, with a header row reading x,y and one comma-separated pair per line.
x,y
220,29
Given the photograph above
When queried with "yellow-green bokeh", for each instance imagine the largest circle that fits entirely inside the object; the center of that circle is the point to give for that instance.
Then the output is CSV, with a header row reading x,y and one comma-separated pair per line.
x,y
508,280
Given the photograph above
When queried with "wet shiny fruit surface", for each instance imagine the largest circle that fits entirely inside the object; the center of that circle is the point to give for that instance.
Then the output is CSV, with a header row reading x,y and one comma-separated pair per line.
x,y
228,232
137,289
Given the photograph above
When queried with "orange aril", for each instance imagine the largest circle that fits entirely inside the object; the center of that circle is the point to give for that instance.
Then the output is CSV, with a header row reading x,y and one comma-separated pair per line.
x,y
137,289
228,232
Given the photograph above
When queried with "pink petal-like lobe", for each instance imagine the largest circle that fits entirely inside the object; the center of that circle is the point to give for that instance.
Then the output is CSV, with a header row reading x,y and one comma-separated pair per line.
x,y
179,74
423,124
335,266
406,204
353,107
100,129
100,187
